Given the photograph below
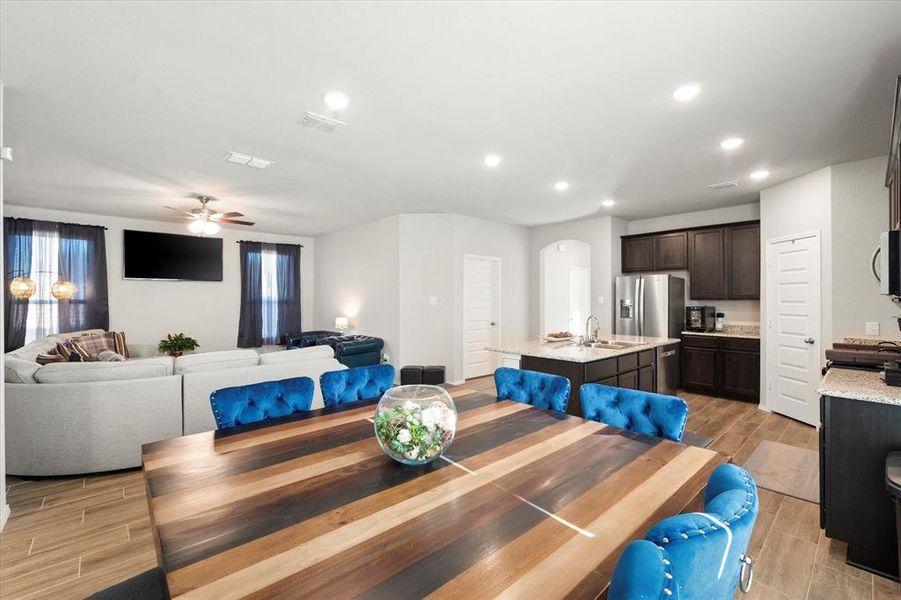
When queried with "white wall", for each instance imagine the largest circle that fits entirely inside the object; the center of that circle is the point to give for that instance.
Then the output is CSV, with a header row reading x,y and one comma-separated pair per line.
x,y
357,276
207,310
556,262
4,507
602,234
385,275
859,213
798,206
715,216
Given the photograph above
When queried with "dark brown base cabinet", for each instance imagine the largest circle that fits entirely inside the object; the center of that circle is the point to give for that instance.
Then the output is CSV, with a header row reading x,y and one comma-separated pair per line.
x,y
855,507
636,371
721,366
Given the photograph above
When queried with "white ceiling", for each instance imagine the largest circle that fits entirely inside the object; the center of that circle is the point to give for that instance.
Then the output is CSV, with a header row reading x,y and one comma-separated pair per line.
x,y
121,108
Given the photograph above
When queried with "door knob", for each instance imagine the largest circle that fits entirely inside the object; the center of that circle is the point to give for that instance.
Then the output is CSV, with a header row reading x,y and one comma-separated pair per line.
x,y
808,340
493,323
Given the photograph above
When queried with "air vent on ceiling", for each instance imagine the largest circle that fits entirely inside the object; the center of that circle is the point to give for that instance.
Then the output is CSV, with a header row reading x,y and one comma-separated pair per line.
x,y
320,122
247,160
723,185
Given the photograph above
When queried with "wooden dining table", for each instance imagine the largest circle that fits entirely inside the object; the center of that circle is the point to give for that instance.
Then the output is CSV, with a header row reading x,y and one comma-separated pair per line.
x,y
524,504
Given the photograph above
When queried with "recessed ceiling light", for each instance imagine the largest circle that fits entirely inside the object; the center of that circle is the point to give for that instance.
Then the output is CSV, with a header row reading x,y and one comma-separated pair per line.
x,y
761,174
731,143
336,100
491,160
608,203
686,92
561,186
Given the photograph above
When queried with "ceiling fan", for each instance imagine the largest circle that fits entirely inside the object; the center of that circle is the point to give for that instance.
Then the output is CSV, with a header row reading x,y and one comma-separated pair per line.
x,y
205,220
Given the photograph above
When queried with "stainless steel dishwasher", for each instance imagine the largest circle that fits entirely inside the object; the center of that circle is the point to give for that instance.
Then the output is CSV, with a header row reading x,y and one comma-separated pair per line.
x,y
668,369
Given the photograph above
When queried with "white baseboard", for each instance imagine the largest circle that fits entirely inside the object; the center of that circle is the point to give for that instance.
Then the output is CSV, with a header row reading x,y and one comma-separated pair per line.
x,y
4,515
457,382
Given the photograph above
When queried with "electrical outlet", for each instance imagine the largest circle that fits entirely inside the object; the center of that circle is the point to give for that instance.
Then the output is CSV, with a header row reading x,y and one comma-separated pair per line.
x,y
872,327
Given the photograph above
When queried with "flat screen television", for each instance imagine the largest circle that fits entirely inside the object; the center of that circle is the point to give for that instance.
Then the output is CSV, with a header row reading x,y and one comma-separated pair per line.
x,y
150,255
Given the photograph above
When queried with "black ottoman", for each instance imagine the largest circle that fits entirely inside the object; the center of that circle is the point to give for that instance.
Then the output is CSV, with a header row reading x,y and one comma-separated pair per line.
x,y
411,374
433,374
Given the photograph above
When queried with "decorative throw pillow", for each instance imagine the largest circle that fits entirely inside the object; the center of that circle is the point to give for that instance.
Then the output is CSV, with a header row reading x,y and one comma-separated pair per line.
x,y
109,356
78,352
46,359
109,340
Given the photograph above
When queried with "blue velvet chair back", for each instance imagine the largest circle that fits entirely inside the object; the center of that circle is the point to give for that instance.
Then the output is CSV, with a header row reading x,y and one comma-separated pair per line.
x,y
358,383
695,556
245,404
641,412
541,390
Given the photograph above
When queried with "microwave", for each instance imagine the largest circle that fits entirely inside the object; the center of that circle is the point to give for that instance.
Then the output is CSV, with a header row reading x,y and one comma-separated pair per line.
x,y
889,254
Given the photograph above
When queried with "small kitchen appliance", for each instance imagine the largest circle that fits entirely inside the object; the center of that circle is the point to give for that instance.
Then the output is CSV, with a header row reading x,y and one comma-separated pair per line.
x,y
700,318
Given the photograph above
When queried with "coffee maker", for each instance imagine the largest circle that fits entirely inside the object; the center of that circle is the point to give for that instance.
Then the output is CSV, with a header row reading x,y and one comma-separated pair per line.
x,y
700,318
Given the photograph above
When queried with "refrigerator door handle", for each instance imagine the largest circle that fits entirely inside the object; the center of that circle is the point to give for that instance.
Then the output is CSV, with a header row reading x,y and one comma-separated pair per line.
x,y
640,296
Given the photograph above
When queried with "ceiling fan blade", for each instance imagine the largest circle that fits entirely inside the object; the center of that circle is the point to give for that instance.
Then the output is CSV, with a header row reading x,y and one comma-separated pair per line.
x,y
230,215
180,210
236,222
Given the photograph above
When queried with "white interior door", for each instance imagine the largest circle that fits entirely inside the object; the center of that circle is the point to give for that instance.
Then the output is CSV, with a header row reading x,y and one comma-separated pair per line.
x,y
793,326
481,314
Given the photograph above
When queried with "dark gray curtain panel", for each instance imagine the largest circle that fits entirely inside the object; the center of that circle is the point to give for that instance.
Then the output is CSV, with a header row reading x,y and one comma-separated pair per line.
x,y
270,293
17,261
82,260
288,284
250,321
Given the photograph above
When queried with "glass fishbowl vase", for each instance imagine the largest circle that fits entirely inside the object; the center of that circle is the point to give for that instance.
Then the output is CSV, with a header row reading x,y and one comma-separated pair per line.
x,y
415,424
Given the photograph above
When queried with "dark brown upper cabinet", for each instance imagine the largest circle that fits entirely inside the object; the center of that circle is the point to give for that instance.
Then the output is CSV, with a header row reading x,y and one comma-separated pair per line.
x,y
671,251
743,261
707,264
638,254
893,174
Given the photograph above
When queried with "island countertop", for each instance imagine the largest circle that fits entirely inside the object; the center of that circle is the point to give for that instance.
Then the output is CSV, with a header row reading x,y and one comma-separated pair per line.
x,y
571,352
858,385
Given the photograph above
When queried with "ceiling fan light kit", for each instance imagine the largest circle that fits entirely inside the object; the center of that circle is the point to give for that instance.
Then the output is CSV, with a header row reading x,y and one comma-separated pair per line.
x,y
205,220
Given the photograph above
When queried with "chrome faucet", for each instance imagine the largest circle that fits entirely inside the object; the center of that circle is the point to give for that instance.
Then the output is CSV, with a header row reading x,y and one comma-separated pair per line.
x,y
591,334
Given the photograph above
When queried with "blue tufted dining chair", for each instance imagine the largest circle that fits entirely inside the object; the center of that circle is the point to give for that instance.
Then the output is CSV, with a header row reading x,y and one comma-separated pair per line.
x,y
641,412
541,390
243,404
694,556
353,385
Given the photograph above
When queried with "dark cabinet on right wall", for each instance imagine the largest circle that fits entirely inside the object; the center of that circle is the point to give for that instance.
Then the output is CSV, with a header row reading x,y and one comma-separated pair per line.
x,y
893,174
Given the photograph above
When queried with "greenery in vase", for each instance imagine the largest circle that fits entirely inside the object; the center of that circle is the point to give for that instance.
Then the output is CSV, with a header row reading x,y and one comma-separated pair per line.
x,y
177,343
416,433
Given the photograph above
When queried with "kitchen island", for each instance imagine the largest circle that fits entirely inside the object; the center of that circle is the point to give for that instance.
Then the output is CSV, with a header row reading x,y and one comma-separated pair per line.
x,y
627,361
860,424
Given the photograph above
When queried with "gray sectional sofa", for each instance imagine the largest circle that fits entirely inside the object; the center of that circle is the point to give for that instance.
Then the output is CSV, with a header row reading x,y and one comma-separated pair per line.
x,y
71,418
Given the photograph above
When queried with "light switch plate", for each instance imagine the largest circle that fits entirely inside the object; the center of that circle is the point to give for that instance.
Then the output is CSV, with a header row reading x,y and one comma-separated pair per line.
x,y
872,327
600,299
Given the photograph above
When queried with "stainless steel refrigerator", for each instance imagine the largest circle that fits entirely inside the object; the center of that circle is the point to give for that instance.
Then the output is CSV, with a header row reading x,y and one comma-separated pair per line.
x,y
654,306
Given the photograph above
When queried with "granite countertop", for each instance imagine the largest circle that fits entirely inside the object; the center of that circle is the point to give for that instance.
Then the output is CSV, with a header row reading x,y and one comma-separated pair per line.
x,y
870,340
569,351
858,385
749,331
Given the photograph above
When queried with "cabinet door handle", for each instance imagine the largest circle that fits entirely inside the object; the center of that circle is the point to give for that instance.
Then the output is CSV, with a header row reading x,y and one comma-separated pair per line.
x,y
808,340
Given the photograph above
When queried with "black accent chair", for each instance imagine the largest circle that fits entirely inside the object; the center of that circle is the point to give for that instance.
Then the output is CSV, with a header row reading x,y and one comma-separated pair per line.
x,y
350,350
149,585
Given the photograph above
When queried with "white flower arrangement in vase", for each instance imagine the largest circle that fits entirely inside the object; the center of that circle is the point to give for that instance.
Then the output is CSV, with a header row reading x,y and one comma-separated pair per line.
x,y
415,424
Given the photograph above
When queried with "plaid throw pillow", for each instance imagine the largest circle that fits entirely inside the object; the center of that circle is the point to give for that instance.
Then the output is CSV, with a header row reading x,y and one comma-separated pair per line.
x,y
46,359
92,345
109,356
72,350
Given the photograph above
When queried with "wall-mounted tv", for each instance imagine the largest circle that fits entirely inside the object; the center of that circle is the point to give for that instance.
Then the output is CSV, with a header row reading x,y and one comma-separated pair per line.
x,y
150,255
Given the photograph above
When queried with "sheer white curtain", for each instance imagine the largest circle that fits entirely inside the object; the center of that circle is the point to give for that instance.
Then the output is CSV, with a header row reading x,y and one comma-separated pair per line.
x,y
269,276
43,308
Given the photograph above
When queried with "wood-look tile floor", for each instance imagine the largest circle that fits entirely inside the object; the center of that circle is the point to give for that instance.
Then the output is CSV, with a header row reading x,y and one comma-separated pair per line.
x,y
70,537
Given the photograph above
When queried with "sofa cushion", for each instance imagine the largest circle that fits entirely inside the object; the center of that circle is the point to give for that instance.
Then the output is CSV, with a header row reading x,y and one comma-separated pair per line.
x,y
16,370
31,350
297,355
104,371
216,361
74,334
110,356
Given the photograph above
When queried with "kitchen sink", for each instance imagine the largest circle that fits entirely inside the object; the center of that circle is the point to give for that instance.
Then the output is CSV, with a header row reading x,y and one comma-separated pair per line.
x,y
612,345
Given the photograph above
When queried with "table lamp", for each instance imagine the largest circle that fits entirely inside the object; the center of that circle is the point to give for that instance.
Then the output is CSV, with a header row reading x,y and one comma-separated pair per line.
x,y
341,323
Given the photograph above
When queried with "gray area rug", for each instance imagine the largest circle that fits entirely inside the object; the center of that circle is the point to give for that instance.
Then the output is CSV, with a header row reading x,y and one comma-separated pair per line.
x,y
786,469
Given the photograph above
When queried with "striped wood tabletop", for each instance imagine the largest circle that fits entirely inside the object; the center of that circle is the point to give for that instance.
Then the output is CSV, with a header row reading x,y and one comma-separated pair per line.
x,y
527,504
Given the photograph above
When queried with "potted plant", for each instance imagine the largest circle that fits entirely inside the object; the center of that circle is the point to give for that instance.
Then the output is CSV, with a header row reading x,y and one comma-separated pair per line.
x,y
176,344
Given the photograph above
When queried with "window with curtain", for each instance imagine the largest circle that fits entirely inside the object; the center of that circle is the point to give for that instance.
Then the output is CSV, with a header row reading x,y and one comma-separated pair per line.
x,y
47,251
270,293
